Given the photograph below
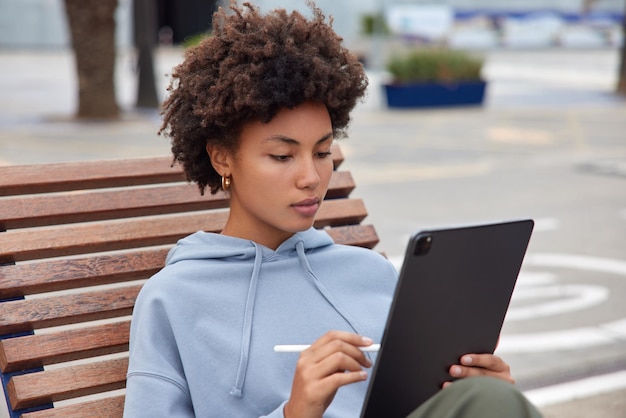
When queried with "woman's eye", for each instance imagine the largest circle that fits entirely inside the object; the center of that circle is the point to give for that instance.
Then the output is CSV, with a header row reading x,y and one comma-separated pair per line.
x,y
324,154
280,157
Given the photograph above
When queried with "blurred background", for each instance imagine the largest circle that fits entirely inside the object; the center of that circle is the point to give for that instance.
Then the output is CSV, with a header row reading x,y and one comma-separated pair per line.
x,y
484,23
83,80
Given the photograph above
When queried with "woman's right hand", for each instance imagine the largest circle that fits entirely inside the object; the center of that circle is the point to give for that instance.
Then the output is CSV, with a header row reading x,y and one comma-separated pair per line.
x,y
332,361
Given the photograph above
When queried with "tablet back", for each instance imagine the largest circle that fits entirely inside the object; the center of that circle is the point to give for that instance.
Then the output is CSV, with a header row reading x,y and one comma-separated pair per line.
x,y
451,299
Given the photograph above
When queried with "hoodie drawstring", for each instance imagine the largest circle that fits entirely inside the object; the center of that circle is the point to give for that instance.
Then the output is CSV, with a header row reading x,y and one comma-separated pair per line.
x,y
326,293
246,334
247,324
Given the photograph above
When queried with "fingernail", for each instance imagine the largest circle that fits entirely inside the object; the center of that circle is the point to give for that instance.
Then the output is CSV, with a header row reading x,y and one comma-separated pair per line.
x,y
467,360
367,340
456,371
363,375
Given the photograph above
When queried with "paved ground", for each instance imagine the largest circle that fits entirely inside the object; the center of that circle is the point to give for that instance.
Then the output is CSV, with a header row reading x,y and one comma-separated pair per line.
x,y
550,143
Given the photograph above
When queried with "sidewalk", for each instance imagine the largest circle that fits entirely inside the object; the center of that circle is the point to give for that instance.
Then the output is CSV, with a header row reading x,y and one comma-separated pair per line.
x,y
599,396
568,95
609,405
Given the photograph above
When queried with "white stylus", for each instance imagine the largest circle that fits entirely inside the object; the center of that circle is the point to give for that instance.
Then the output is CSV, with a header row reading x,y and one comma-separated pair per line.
x,y
296,348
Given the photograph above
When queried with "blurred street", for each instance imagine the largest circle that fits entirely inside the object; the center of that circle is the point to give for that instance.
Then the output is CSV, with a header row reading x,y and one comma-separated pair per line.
x,y
549,143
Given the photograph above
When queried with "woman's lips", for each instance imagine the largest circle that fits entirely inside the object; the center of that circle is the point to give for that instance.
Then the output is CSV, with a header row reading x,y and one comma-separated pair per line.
x,y
307,207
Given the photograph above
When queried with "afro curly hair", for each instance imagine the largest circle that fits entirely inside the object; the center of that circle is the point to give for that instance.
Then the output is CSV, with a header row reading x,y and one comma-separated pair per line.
x,y
252,66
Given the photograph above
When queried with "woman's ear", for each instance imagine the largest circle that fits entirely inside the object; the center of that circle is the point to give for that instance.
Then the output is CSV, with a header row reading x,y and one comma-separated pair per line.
x,y
219,159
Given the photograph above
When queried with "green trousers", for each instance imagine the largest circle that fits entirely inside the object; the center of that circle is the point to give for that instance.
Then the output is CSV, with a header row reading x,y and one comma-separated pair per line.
x,y
477,397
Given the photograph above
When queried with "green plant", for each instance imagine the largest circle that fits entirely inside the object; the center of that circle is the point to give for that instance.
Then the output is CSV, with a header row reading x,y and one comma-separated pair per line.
x,y
372,24
194,40
434,65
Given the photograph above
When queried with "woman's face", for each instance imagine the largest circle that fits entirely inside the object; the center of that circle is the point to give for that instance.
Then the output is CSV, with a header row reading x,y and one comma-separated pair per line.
x,y
280,174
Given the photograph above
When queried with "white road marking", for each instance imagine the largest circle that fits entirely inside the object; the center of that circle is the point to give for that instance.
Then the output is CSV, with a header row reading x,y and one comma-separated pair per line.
x,y
583,388
572,297
579,262
568,339
546,224
574,338
534,278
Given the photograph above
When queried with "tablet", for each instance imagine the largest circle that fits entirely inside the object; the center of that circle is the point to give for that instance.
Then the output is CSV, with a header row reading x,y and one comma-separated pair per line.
x,y
453,292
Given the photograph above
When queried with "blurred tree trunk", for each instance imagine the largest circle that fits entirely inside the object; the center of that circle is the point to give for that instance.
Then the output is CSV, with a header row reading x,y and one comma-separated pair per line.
x,y
145,24
92,29
621,81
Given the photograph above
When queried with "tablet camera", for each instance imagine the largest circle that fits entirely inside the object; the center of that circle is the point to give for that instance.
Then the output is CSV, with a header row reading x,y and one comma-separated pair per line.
x,y
423,245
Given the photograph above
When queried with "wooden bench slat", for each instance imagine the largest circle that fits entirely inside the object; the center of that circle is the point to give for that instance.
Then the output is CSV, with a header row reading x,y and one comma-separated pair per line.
x,y
71,207
340,212
26,179
32,351
19,245
337,155
359,235
61,274
26,315
109,407
341,185
33,389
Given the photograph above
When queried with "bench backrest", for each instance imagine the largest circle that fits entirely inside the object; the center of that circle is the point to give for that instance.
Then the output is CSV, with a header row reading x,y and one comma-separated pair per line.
x,y
77,240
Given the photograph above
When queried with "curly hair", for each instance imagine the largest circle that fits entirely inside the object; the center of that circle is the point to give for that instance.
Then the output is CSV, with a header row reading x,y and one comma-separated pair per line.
x,y
252,66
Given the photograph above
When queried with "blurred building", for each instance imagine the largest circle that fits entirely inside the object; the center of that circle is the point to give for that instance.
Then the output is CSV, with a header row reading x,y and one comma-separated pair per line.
x,y
42,23
527,23
181,19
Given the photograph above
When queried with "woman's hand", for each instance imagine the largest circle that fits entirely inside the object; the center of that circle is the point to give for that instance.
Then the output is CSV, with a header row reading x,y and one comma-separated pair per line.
x,y
334,360
481,365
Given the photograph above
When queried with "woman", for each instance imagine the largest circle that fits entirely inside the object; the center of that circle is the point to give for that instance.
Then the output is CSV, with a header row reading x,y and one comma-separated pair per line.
x,y
253,110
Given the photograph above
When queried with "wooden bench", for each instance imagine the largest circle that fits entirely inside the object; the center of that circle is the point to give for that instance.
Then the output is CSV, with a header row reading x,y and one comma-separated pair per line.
x,y
77,240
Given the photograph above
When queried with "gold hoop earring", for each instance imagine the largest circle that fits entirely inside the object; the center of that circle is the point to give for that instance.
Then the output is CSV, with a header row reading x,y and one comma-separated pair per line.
x,y
225,183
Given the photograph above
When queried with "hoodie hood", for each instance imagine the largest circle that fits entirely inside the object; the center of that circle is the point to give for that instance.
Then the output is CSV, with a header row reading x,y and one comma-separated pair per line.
x,y
202,245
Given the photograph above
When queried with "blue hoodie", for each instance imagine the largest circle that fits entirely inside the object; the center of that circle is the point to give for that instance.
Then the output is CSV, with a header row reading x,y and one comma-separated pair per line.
x,y
205,326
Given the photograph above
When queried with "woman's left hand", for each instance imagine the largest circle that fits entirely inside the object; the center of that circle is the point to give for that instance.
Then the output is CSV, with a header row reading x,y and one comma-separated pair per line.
x,y
481,365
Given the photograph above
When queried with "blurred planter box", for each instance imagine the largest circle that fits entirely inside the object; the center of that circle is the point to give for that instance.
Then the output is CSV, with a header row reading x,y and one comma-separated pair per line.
x,y
434,94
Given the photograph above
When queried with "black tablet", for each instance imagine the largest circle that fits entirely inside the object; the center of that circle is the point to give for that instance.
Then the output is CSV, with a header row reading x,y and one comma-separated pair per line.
x,y
453,292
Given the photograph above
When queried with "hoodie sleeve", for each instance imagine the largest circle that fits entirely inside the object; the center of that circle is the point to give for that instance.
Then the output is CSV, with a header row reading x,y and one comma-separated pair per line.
x,y
153,396
276,413
156,384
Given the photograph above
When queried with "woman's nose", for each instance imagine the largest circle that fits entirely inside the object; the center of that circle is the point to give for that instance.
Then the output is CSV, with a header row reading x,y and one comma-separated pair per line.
x,y
308,176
